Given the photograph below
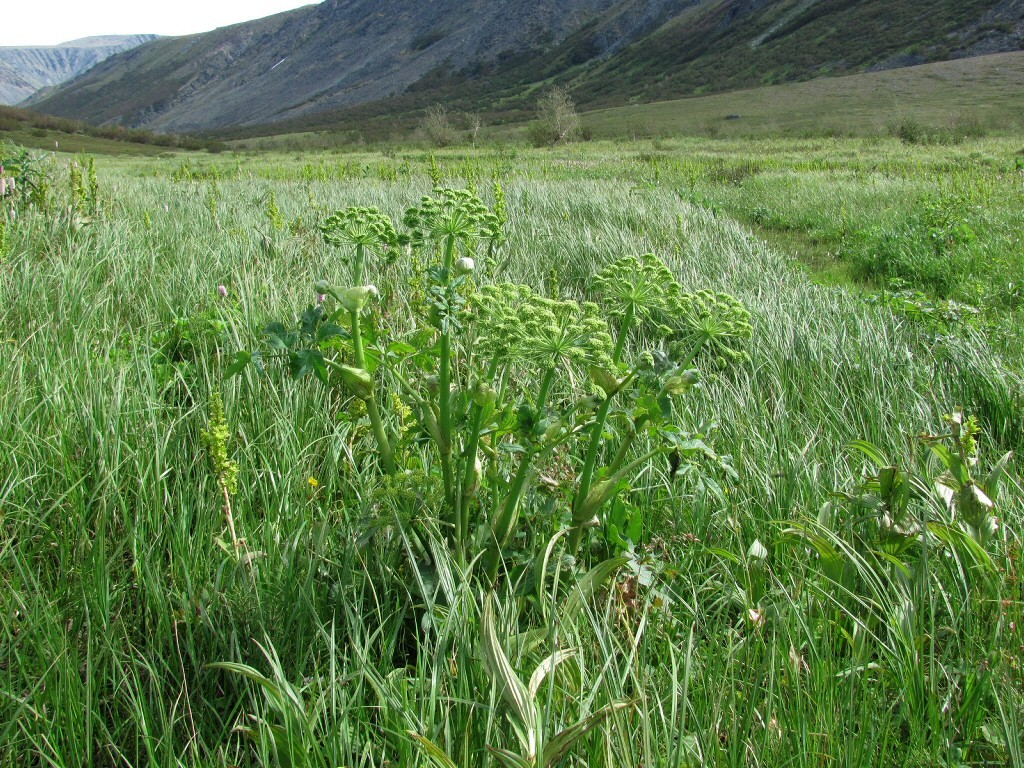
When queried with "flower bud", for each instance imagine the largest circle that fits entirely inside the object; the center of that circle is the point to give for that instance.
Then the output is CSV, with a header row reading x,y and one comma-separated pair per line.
x,y
354,299
605,379
322,286
553,430
464,266
681,383
484,394
600,493
359,380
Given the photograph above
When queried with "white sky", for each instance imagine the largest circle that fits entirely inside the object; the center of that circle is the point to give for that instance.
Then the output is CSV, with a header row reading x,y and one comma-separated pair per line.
x,y
48,22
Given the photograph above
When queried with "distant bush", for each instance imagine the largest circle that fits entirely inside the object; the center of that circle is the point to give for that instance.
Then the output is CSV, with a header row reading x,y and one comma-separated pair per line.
x,y
962,126
557,120
438,128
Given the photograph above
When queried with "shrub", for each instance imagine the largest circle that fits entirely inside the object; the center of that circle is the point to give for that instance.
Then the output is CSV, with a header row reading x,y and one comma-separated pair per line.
x,y
437,127
557,120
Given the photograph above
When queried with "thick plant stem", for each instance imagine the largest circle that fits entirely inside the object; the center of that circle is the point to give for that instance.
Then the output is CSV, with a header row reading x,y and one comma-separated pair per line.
x,y
357,266
620,455
444,396
387,454
627,321
596,431
469,457
501,527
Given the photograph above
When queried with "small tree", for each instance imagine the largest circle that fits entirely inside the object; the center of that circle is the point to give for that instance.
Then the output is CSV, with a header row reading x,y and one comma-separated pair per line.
x,y
475,124
557,120
438,127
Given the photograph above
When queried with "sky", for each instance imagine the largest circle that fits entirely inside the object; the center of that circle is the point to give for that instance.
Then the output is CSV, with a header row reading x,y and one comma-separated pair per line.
x,y
46,22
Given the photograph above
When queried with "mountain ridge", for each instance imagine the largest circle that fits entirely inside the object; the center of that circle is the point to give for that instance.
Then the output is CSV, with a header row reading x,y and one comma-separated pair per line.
x,y
24,70
346,61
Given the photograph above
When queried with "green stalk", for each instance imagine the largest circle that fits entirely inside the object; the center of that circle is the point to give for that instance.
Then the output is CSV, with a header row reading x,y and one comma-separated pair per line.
x,y
620,456
445,395
357,268
590,462
505,521
462,527
627,321
387,454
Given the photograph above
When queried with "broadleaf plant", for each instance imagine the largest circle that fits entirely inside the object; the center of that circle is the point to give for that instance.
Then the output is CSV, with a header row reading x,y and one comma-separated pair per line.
x,y
503,383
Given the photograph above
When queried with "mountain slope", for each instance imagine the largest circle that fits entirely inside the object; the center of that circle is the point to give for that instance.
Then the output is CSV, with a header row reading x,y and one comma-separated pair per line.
x,y
755,42
338,53
359,62
24,70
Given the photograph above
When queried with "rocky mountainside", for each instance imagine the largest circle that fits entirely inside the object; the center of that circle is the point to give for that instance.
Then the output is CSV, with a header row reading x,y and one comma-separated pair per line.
x,y
385,60
24,70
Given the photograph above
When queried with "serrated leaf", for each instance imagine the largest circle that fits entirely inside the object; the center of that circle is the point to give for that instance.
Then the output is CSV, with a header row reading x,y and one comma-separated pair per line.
x,y
331,331
278,336
242,359
306,361
401,349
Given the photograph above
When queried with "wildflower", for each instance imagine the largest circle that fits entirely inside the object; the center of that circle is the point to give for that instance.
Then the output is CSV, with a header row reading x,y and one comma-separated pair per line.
x,y
222,290
321,298
313,482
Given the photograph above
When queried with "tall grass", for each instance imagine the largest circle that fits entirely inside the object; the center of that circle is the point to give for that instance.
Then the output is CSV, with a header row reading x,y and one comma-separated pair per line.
x,y
130,634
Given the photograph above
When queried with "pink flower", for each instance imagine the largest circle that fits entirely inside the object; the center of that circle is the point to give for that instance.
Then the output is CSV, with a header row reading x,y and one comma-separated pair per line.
x,y
222,290
321,298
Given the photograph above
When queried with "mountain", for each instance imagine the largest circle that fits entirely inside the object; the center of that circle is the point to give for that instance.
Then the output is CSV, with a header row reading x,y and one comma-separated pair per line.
x,y
24,70
373,65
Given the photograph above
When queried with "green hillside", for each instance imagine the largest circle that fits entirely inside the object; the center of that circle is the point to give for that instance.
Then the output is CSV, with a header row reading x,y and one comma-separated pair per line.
x,y
36,131
962,97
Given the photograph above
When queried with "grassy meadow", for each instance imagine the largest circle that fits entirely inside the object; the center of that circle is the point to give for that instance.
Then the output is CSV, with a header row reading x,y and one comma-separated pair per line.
x,y
823,586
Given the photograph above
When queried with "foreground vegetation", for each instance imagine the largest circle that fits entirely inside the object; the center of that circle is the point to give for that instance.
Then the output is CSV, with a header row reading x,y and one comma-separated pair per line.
x,y
813,558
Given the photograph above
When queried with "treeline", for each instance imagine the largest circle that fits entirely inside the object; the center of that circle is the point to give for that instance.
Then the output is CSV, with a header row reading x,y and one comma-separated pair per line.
x,y
14,119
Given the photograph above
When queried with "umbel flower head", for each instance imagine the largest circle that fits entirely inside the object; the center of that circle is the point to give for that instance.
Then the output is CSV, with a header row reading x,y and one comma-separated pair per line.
x,y
514,322
357,225
707,321
642,284
454,213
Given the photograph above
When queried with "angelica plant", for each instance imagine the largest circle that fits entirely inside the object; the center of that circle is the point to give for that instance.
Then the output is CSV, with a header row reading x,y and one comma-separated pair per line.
x,y
555,337
641,293
500,379
449,227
